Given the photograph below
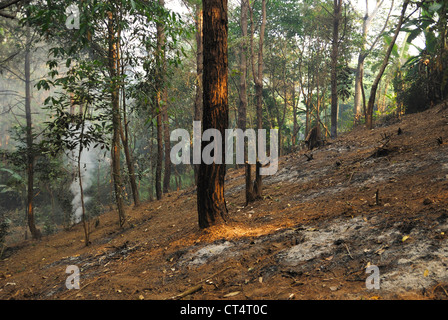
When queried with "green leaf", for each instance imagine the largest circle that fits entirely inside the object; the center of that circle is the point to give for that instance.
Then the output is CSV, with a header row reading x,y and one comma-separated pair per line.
x,y
413,34
435,7
14,174
431,41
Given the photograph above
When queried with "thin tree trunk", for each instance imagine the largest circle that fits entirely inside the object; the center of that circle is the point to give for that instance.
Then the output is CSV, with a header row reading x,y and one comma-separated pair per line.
x,y
125,136
210,188
35,233
360,67
242,110
151,166
359,104
296,128
307,120
374,88
258,79
159,163
359,75
167,145
129,161
334,65
81,189
317,107
199,74
165,118
116,118
159,107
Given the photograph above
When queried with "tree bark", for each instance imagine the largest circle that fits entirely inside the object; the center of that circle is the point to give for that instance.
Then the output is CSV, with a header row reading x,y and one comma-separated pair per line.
x,y
116,118
199,74
359,75
210,188
296,127
167,144
81,188
35,233
359,100
165,118
129,160
125,136
159,163
242,110
159,107
374,88
258,80
334,64
360,66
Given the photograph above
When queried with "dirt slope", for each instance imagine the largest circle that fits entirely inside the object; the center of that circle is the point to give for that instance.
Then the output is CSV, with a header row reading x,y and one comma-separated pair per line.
x,y
322,222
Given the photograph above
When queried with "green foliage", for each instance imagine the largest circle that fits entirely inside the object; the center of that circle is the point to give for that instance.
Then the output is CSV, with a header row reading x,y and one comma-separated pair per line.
x,y
15,182
426,75
415,97
345,78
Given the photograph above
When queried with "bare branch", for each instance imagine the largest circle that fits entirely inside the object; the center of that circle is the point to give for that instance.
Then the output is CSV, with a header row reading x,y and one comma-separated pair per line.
x,y
384,27
7,15
4,5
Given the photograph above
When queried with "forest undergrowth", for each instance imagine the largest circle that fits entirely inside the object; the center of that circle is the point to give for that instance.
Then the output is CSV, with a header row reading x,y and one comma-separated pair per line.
x,y
368,198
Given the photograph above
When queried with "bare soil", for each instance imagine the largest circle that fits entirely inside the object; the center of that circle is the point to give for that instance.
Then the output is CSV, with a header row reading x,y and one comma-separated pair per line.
x,y
370,197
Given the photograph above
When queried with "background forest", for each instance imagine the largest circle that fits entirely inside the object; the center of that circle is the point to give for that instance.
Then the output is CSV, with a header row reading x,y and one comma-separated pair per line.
x,y
90,93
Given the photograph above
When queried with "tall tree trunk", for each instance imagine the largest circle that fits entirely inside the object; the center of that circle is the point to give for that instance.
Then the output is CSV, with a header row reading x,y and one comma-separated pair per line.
x,y
81,188
374,88
317,107
129,161
359,102
165,118
35,233
258,79
295,128
159,163
124,133
334,64
167,144
116,118
159,107
442,56
199,74
210,189
359,75
151,165
242,110
307,120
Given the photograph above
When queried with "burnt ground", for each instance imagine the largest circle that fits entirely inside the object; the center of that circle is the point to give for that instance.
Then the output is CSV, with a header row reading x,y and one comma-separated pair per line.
x,y
370,197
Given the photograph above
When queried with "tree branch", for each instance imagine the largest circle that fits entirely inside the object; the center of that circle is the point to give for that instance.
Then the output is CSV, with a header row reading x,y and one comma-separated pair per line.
x,y
384,27
5,5
7,15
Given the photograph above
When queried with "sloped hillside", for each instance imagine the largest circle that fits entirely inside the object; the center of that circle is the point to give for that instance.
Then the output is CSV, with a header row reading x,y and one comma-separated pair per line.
x,y
371,197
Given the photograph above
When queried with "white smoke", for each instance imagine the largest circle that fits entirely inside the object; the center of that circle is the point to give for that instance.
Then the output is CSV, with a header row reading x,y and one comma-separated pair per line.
x,y
88,165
